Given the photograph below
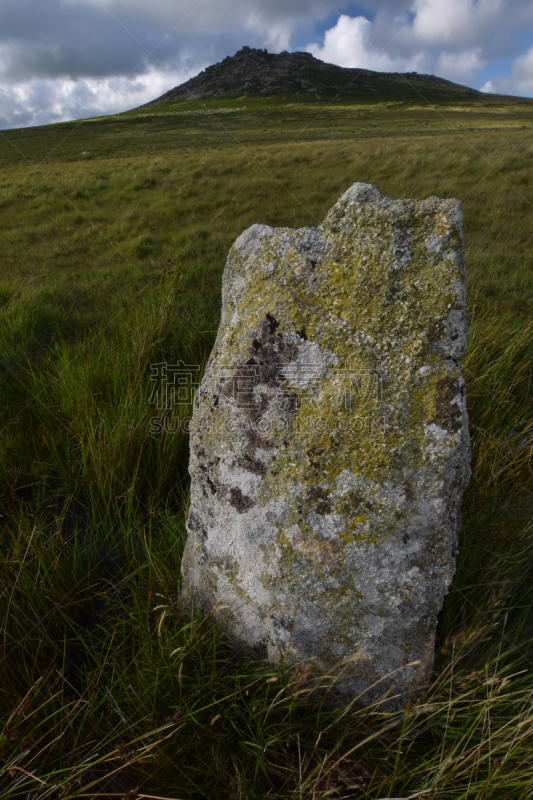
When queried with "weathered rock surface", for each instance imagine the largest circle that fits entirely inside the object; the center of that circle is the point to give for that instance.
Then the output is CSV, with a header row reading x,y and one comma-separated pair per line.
x,y
329,442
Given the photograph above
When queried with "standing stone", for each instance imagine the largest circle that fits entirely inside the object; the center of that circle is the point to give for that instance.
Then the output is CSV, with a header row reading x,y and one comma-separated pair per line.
x,y
329,442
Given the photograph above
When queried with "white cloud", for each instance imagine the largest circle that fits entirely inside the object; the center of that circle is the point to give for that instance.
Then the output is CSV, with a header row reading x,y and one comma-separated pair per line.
x,y
275,36
349,44
522,74
460,67
488,87
454,39
455,21
40,102
520,80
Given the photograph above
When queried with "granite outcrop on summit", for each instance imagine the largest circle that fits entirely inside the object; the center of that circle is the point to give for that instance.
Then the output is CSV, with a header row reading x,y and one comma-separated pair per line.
x,y
253,72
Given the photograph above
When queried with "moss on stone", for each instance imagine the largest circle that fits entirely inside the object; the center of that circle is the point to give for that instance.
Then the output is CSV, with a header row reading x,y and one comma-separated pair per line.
x,y
368,442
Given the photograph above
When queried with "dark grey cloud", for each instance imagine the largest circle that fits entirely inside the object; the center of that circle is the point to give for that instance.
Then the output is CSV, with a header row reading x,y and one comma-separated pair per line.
x,y
89,38
47,40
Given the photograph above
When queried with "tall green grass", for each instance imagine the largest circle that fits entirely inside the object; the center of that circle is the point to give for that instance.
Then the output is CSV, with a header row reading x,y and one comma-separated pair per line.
x,y
107,687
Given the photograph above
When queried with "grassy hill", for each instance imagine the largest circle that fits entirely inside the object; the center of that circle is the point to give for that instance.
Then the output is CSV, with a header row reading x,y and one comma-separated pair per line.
x,y
257,73
110,262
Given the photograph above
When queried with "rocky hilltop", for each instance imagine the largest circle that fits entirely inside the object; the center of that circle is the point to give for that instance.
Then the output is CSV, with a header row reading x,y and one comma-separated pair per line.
x,y
256,72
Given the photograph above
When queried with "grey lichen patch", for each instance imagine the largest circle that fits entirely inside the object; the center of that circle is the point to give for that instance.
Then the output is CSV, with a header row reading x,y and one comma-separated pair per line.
x,y
329,444
308,364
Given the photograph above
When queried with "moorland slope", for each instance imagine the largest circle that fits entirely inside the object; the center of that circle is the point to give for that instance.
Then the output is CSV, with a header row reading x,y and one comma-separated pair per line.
x,y
113,239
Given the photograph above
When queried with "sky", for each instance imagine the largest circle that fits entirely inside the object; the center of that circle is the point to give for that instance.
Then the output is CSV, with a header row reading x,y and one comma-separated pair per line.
x,y
70,59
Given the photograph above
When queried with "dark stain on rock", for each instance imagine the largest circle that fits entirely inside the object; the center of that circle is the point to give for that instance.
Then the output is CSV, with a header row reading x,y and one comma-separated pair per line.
x,y
314,454
194,526
283,621
436,331
256,440
315,499
401,239
239,501
225,563
408,489
211,485
318,497
269,325
447,415
289,402
205,470
260,650
352,503
253,465
261,369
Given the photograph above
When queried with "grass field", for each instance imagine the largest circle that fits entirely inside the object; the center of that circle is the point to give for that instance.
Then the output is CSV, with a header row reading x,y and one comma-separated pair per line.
x,y
111,262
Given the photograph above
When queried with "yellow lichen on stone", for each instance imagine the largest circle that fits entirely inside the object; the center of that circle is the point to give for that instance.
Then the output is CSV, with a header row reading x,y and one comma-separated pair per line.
x,y
329,445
